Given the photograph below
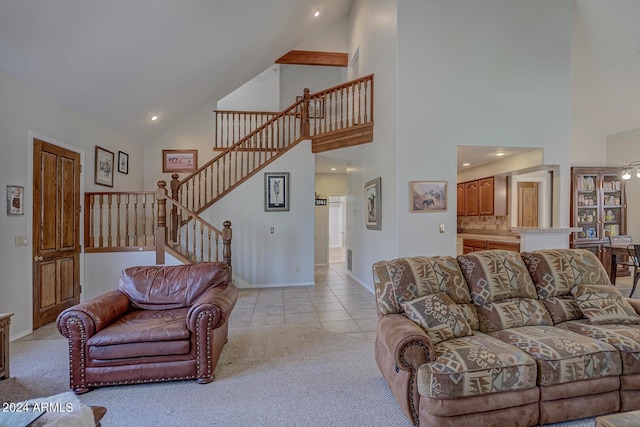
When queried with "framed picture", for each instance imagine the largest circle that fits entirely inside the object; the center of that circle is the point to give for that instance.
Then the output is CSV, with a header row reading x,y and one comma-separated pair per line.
x,y
123,162
316,107
179,160
104,167
15,200
428,196
373,204
276,191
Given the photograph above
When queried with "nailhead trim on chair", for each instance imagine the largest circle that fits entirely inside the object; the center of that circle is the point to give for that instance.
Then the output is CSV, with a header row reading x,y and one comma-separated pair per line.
x,y
68,325
412,404
207,374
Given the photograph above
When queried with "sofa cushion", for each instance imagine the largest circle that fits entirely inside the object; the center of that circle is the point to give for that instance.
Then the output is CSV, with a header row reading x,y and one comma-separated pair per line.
x,y
562,355
625,338
512,313
475,365
405,279
439,316
604,305
562,309
165,287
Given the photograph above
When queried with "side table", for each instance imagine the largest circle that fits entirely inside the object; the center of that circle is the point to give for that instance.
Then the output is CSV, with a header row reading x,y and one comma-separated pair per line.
x,y
5,320
621,419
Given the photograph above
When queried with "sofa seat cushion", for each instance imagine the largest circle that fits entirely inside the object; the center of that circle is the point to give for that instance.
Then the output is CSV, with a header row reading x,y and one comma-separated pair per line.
x,y
439,316
144,326
604,304
562,355
473,366
625,338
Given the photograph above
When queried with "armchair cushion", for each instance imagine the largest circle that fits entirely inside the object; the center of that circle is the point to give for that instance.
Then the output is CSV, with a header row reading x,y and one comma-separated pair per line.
x,y
168,287
604,305
439,316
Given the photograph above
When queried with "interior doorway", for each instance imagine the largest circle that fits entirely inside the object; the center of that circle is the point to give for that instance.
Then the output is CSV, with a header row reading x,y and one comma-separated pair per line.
x,y
337,229
528,204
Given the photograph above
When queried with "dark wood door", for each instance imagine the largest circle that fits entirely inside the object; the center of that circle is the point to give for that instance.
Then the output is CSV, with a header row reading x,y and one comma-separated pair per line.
x,y
56,231
527,204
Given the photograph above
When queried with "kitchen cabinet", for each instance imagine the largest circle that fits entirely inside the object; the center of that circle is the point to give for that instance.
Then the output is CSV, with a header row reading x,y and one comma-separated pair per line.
x,y
460,199
598,205
507,246
483,197
474,245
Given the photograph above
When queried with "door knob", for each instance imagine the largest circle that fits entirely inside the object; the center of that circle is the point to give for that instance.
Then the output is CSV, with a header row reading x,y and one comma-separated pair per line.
x,y
37,258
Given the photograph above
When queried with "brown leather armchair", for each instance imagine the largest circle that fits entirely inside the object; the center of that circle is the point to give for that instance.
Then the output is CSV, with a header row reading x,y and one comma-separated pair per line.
x,y
163,323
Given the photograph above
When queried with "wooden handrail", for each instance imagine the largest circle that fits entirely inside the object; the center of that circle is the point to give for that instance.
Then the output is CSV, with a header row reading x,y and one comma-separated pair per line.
x,y
231,125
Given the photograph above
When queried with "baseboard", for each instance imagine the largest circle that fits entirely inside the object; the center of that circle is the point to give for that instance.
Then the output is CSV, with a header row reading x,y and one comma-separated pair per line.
x,y
241,284
364,285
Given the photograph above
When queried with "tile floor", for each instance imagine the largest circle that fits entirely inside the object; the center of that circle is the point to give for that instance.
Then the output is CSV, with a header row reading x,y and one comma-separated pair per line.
x,y
335,303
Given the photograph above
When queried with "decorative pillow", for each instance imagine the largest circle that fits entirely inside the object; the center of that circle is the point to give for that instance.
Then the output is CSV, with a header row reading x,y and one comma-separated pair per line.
x,y
512,313
604,304
562,309
439,316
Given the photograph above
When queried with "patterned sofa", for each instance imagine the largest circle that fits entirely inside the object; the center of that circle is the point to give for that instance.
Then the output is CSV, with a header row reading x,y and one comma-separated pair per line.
x,y
502,338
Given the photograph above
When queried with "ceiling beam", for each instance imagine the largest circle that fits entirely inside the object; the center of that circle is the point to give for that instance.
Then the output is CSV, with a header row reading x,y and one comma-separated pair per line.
x,y
309,57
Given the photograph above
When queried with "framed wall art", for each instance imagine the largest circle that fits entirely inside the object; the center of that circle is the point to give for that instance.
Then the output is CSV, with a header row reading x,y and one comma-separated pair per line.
x,y
104,167
276,191
428,196
15,203
373,204
179,160
123,162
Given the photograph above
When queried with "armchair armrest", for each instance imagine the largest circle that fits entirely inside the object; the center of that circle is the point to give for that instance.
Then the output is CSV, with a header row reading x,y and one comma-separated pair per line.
x,y
403,338
95,314
219,300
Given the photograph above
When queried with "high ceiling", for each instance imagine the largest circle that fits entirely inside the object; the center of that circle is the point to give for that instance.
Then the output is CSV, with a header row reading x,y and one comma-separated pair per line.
x,y
120,62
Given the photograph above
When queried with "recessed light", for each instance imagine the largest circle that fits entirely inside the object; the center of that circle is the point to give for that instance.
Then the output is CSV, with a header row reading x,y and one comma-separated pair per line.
x,y
333,169
466,164
154,118
316,13
500,154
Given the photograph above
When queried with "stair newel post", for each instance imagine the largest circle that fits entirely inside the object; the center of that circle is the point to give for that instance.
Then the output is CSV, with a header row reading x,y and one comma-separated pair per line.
x,y
175,185
305,112
161,230
226,243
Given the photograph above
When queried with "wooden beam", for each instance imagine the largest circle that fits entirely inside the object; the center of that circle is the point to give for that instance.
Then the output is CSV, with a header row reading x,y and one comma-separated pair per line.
x,y
309,57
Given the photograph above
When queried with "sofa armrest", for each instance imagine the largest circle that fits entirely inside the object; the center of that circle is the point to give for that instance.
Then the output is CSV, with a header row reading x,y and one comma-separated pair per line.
x,y
635,303
219,301
96,313
403,338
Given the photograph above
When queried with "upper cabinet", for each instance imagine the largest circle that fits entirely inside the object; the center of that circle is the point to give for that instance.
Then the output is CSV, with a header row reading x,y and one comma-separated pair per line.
x,y
483,197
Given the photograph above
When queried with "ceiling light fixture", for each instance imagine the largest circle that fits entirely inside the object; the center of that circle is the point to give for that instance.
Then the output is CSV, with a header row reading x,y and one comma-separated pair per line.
x,y
316,13
500,154
466,164
154,118
628,169
333,169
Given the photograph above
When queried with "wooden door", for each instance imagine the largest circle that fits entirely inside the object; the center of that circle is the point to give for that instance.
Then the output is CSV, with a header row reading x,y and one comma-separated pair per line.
x,y
56,231
527,204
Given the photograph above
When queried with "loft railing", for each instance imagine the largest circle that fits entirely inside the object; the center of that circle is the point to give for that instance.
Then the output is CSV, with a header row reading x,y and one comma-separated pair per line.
x,y
233,125
137,221
342,107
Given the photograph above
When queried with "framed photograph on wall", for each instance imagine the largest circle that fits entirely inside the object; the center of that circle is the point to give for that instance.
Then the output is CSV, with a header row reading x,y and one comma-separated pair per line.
x,y
15,205
373,204
276,191
428,196
104,167
179,160
123,162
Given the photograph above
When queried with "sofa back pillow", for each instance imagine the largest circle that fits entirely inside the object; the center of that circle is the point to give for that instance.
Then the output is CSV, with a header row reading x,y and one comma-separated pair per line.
x,y
502,290
604,304
167,287
406,279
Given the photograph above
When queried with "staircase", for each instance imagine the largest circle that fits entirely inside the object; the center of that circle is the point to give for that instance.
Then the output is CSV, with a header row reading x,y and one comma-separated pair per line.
x,y
338,117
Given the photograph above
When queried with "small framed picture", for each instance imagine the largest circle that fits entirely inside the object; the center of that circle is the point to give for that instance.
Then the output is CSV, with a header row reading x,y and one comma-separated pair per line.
x,y
276,191
373,204
104,167
123,162
428,196
15,204
179,160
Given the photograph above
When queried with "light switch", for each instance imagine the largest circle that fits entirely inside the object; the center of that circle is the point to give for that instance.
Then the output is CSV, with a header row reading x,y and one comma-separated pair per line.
x,y
21,241
441,228
272,230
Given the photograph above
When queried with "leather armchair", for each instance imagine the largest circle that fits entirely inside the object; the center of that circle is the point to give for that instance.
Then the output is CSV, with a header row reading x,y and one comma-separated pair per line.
x,y
163,323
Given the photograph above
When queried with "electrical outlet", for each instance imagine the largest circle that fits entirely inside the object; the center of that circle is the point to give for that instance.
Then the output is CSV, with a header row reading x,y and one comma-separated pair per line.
x,y
272,230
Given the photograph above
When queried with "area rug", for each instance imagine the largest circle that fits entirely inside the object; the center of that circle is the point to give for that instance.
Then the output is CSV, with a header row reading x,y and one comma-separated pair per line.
x,y
272,376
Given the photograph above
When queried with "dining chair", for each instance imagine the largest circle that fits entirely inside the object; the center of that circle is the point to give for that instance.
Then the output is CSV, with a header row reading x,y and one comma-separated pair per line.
x,y
625,239
634,256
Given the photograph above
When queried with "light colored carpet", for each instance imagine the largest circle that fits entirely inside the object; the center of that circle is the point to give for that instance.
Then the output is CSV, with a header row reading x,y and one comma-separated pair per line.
x,y
271,376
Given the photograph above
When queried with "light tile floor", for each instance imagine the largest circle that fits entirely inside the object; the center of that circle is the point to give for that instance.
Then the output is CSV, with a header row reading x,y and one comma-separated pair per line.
x,y
335,303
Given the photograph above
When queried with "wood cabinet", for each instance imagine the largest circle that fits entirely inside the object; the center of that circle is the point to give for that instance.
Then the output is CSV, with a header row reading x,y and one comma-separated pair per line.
x,y
483,197
460,198
598,205
507,246
474,245
5,320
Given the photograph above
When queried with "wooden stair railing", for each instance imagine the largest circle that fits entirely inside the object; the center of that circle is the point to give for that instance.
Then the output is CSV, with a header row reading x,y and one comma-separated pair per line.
x,y
230,126
137,221
337,117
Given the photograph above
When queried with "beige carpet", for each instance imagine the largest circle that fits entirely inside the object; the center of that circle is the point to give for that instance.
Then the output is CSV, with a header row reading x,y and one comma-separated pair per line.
x,y
272,376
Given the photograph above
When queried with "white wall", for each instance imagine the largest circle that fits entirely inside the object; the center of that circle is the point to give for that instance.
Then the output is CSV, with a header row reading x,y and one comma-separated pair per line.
x,y
374,35
623,148
259,94
24,110
485,73
295,78
284,258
